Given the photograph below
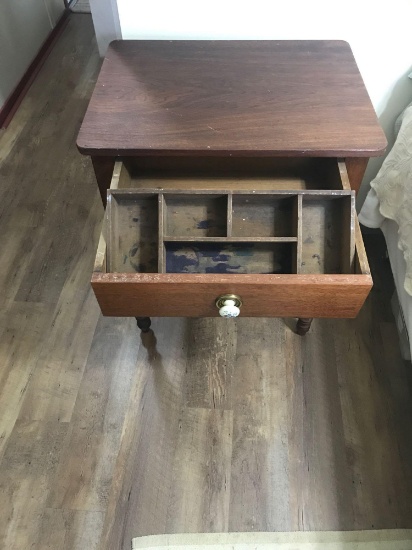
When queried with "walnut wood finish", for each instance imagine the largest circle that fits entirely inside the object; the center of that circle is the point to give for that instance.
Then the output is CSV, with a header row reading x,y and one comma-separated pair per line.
x,y
174,102
245,98
356,169
172,105
103,170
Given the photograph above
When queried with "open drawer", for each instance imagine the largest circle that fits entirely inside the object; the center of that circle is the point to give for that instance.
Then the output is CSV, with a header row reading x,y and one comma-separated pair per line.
x,y
281,234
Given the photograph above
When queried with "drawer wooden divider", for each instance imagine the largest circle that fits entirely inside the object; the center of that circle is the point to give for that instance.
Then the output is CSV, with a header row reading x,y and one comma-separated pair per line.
x,y
229,214
298,223
161,251
231,239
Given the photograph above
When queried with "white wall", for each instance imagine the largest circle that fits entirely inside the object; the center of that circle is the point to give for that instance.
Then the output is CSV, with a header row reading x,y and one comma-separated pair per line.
x,y
106,22
378,32
55,9
24,26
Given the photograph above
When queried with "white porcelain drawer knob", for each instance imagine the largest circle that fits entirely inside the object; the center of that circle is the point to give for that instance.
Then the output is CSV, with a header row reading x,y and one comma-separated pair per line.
x,y
229,305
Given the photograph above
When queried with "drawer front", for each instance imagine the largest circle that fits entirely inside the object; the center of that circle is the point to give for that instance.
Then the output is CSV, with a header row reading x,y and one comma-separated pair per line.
x,y
194,295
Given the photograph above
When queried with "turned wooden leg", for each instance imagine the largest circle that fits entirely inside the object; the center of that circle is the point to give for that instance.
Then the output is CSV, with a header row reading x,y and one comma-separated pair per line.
x,y
143,323
303,325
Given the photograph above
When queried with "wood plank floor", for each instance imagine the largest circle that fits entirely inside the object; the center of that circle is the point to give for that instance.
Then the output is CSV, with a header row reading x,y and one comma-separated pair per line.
x,y
200,425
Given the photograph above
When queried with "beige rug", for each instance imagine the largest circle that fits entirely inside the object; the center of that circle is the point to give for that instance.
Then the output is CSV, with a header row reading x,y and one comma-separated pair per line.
x,y
392,539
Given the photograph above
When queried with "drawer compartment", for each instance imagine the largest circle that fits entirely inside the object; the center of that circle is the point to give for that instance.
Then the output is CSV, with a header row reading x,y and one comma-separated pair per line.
x,y
327,234
132,239
173,251
264,216
229,257
195,216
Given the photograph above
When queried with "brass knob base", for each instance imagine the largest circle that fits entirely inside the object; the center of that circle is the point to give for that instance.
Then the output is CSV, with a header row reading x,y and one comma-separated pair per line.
x,y
220,302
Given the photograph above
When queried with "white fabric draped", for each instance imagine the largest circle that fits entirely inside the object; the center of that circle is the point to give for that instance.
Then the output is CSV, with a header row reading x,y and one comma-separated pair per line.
x,y
391,193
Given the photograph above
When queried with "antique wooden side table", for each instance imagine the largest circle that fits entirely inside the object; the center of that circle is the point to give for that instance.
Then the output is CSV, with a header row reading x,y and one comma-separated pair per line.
x,y
230,169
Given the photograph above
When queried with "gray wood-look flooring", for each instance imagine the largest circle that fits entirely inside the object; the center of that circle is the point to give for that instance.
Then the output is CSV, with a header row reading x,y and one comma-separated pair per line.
x,y
200,425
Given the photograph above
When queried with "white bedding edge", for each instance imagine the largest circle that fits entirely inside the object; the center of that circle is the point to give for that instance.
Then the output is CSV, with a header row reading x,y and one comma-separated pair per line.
x,y
390,195
370,215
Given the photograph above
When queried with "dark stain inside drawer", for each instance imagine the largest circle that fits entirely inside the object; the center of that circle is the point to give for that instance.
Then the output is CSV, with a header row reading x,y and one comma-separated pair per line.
x,y
229,258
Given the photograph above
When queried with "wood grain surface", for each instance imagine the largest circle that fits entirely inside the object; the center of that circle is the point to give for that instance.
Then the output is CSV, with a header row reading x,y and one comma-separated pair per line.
x,y
50,215
200,425
194,294
253,98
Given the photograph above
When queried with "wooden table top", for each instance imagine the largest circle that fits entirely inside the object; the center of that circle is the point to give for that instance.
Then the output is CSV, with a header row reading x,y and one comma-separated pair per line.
x,y
245,98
